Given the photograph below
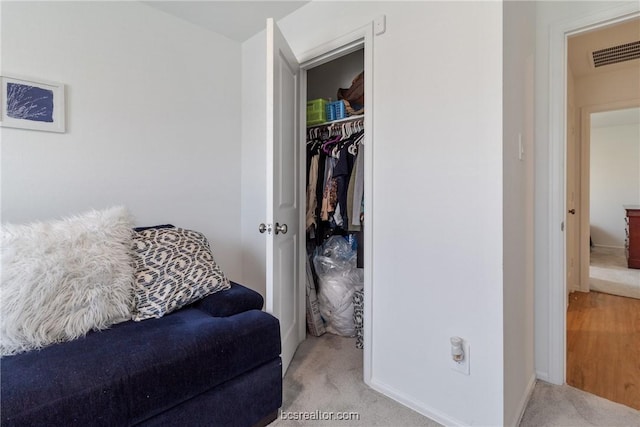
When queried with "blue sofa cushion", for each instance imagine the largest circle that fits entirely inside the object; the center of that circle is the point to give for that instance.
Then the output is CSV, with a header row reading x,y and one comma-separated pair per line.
x,y
136,370
231,301
246,400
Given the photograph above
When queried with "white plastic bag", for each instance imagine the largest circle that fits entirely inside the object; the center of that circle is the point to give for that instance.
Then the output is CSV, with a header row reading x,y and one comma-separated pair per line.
x,y
338,280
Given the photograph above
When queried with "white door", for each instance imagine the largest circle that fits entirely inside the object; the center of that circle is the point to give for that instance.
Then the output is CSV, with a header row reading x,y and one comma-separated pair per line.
x,y
284,293
573,190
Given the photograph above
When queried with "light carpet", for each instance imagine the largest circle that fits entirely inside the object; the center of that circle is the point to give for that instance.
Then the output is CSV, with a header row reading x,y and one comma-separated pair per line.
x,y
608,273
565,406
325,377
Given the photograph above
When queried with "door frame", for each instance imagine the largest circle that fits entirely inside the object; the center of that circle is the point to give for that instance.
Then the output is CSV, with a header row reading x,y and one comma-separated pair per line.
x,y
573,222
361,37
585,179
554,338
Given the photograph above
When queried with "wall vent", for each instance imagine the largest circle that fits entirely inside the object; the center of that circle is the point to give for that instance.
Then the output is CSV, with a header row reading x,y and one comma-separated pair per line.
x,y
615,54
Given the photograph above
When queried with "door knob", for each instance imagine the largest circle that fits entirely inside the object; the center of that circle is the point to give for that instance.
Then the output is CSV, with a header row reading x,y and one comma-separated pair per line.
x,y
281,228
262,228
572,211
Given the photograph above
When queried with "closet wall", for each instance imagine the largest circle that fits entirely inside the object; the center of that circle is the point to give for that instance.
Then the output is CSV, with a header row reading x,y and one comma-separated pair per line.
x,y
323,81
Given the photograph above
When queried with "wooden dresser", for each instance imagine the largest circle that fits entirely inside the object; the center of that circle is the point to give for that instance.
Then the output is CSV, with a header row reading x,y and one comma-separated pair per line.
x,y
632,243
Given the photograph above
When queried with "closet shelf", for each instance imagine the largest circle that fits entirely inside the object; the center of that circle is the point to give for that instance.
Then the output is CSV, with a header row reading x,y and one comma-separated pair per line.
x,y
347,119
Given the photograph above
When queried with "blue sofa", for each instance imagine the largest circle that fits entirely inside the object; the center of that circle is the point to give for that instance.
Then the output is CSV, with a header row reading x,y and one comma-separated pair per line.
x,y
213,363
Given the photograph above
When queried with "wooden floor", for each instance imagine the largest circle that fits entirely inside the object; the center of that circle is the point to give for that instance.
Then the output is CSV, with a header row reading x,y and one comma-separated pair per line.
x,y
603,346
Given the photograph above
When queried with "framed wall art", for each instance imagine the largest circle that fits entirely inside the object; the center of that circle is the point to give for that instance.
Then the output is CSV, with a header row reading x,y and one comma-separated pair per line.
x,y
32,104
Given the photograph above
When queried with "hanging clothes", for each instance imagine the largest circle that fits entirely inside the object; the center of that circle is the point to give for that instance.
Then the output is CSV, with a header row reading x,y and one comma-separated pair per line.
x,y
330,196
342,172
358,189
312,200
333,192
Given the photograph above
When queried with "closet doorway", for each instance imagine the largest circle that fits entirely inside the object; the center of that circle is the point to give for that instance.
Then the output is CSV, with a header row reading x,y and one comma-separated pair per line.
x,y
325,70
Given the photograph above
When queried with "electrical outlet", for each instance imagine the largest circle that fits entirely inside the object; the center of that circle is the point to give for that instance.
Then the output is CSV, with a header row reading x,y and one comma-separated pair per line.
x,y
463,366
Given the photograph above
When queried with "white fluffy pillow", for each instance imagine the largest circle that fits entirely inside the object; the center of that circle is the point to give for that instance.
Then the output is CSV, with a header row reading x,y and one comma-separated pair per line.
x,y
61,279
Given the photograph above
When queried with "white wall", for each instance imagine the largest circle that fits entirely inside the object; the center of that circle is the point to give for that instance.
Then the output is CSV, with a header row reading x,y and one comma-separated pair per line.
x,y
615,181
549,14
437,249
153,119
518,119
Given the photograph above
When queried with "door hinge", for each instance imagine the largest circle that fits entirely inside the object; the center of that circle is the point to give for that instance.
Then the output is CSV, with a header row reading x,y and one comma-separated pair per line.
x,y
562,226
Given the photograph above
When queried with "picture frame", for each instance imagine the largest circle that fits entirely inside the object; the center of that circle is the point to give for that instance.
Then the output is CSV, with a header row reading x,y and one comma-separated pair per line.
x,y
33,104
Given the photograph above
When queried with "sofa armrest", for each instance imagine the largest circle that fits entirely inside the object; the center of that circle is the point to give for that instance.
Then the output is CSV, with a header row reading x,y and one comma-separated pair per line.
x,y
234,300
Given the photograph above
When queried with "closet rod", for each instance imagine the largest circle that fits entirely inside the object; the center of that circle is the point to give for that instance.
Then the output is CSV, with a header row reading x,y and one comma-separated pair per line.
x,y
348,119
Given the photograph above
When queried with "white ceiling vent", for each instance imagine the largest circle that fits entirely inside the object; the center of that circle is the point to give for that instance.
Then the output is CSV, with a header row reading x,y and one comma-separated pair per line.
x,y
615,54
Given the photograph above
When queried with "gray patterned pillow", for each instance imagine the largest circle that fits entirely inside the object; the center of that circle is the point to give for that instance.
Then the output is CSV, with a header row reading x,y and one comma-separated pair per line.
x,y
174,267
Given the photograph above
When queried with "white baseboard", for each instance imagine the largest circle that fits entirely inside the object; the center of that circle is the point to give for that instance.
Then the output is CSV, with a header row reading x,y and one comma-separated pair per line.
x,y
526,396
446,419
607,246
427,411
543,376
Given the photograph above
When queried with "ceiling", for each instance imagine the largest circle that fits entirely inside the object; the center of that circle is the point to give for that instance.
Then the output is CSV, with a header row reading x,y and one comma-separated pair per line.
x,y
581,46
237,20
